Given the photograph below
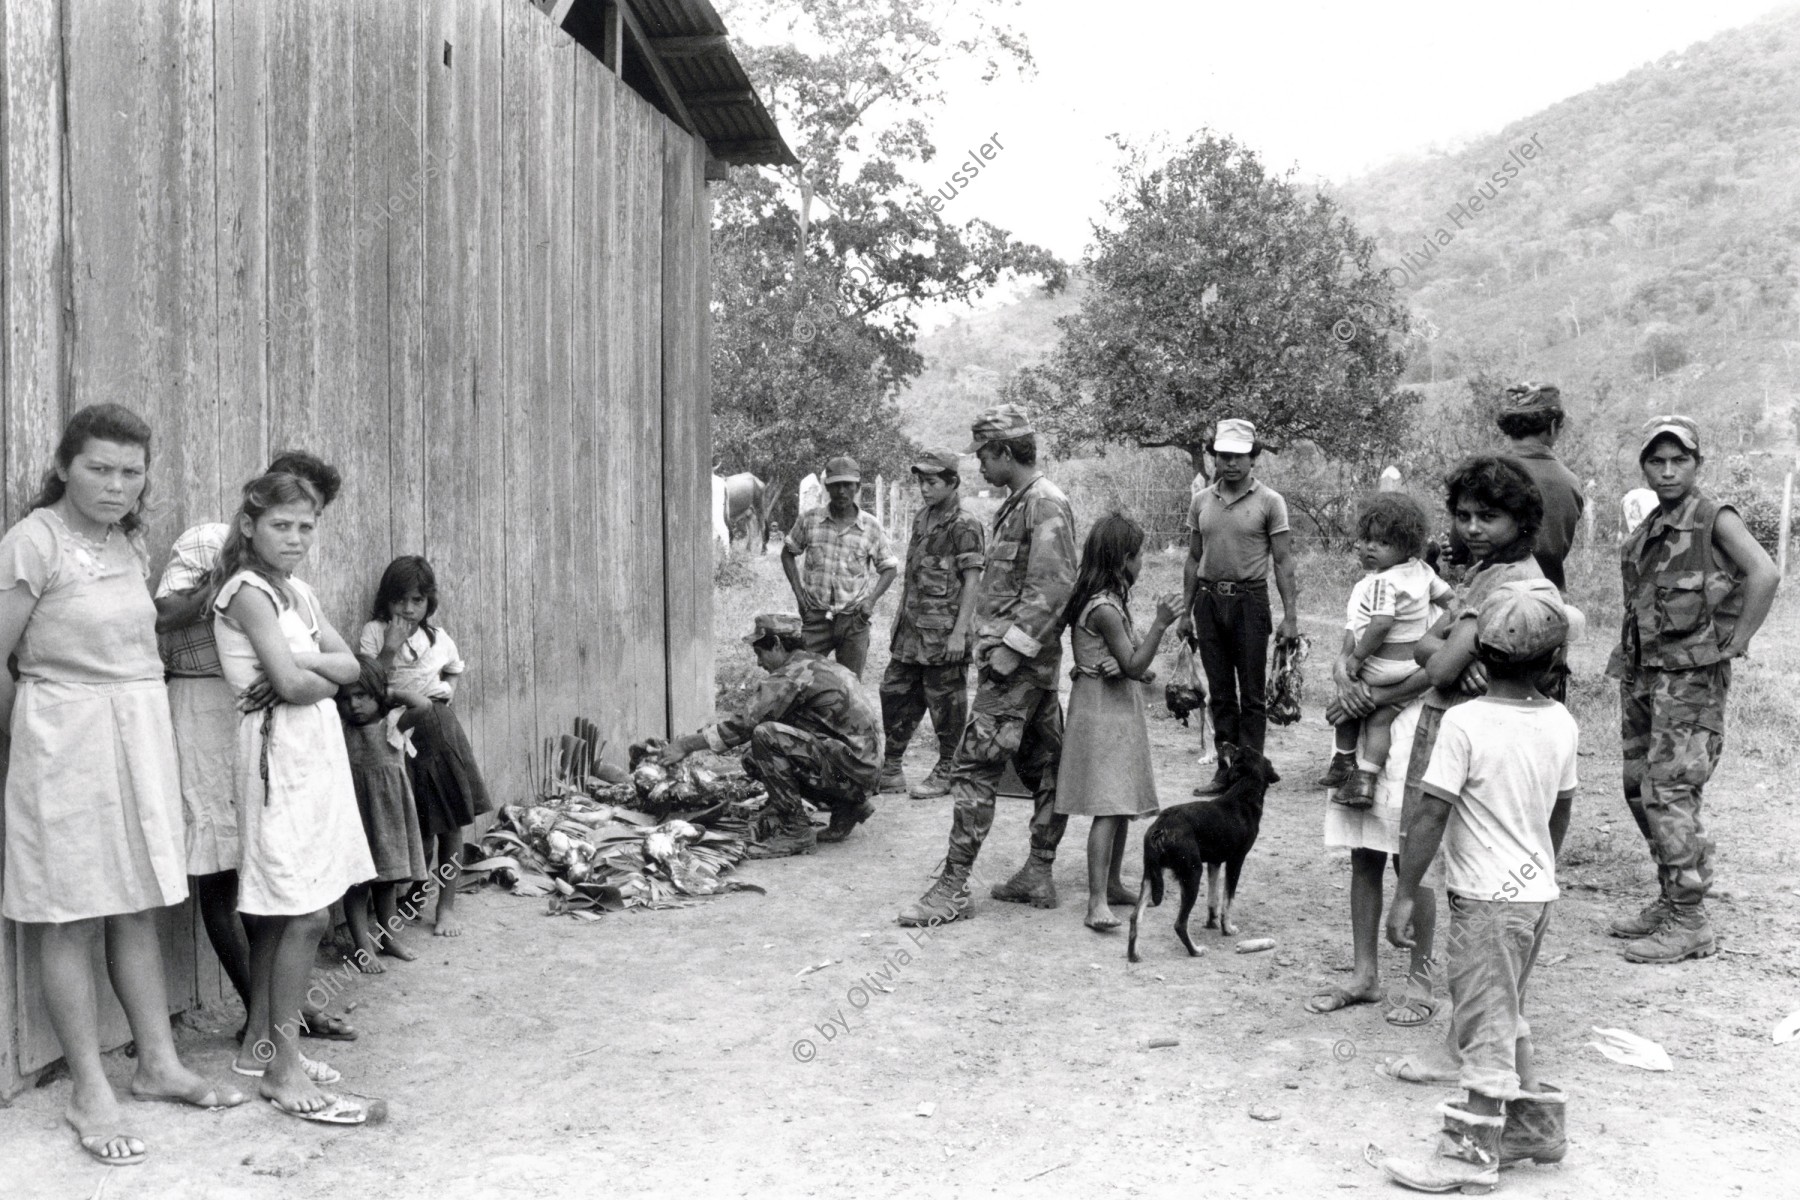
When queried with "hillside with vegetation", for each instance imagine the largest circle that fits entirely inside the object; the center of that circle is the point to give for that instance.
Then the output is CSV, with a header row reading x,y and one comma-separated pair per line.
x,y
1646,258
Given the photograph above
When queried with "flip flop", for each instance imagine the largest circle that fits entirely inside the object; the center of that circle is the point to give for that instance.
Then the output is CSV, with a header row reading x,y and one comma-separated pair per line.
x,y
328,1028
93,1145
1404,1070
1340,998
317,1071
339,1112
209,1099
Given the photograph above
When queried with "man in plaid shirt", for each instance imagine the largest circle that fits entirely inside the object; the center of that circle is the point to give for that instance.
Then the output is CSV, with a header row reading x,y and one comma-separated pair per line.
x,y
847,566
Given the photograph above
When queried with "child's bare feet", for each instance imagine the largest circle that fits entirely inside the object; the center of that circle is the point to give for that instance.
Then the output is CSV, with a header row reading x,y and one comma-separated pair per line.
x,y
447,925
1100,917
391,947
1118,893
367,962
1333,998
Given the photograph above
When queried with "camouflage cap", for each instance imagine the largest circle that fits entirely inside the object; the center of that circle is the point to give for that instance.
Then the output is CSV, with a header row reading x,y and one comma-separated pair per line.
x,y
779,625
842,469
1000,421
1525,397
937,460
1683,429
1234,436
1522,620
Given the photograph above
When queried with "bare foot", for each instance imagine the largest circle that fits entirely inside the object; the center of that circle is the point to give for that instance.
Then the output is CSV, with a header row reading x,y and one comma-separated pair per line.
x,y
1333,998
367,962
391,947
1100,917
447,925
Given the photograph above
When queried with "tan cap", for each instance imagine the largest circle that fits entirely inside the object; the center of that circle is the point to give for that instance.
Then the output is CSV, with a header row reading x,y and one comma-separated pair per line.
x,y
842,469
1000,421
1522,620
1683,429
768,625
1234,436
937,460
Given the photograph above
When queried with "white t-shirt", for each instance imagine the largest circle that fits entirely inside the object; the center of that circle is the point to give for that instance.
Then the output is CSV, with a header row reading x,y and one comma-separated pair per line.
x,y
1501,764
1406,592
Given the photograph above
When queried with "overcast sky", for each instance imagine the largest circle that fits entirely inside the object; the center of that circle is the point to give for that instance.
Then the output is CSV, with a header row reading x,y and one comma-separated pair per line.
x,y
1331,88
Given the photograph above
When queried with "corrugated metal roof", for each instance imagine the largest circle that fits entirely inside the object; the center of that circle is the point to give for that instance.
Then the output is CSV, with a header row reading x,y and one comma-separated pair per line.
x,y
720,104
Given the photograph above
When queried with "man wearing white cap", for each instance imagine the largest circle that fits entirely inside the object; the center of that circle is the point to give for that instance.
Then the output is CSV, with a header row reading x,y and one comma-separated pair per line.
x,y
1236,528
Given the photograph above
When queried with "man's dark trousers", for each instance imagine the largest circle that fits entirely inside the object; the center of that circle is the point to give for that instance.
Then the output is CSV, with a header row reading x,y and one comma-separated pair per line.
x,y
1232,623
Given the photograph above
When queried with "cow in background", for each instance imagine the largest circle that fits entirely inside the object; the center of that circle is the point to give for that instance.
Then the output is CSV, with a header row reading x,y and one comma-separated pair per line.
x,y
747,504
721,528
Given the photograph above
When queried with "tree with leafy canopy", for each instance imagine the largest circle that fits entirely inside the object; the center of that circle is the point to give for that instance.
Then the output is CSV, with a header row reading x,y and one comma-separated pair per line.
x,y
1217,290
820,270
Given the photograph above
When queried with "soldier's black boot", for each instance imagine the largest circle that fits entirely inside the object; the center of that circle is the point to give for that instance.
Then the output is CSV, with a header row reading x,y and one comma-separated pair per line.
x,y
946,900
844,818
1031,884
893,778
1688,933
794,835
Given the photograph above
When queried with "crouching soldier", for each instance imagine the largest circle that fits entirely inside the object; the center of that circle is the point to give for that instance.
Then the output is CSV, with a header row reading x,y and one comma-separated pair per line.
x,y
1697,587
928,669
811,735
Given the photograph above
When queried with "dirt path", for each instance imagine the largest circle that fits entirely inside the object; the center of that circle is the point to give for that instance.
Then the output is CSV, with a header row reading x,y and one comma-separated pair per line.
x,y
658,1054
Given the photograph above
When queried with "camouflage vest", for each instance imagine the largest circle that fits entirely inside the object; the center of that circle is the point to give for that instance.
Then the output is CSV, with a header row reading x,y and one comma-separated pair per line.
x,y
1681,604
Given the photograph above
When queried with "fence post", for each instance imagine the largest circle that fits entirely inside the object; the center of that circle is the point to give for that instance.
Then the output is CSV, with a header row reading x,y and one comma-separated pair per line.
x,y
1787,516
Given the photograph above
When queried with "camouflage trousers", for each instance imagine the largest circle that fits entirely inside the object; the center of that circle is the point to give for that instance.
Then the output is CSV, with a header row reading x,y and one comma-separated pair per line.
x,y
909,690
1672,725
1013,719
794,766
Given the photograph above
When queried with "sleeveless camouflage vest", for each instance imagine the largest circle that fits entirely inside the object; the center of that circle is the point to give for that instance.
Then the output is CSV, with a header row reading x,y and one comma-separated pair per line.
x,y
1681,604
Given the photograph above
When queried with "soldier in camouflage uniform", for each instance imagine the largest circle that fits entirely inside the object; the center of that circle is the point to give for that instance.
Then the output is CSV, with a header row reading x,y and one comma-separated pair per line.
x,y
928,667
1030,572
811,734
1697,587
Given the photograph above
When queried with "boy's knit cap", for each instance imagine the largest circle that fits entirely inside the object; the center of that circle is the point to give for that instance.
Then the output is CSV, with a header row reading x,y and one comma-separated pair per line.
x,y
1522,620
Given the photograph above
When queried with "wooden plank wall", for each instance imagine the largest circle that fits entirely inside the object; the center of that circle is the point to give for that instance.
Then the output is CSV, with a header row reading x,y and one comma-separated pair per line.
x,y
479,288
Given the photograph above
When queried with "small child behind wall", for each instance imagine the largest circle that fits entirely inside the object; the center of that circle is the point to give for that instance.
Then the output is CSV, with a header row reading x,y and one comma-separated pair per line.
x,y
1498,794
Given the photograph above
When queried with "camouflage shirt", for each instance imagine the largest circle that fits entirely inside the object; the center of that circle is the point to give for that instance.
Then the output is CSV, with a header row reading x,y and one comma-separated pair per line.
x,y
945,543
814,695
1681,602
1030,574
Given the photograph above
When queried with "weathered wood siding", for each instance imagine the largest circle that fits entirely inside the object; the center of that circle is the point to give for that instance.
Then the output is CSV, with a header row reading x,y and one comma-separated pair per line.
x,y
479,288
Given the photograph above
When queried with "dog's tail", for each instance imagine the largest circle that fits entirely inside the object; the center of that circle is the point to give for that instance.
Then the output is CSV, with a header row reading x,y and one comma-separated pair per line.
x,y
1137,911
1153,860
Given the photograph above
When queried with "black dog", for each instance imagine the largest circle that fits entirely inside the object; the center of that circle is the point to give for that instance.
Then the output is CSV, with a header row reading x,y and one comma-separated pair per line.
x,y
1189,838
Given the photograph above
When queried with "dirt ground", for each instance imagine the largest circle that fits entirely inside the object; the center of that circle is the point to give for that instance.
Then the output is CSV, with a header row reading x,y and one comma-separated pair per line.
x,y
698,1052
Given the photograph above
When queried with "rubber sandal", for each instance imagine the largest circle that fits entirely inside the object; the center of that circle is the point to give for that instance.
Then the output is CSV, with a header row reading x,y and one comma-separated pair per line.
x,y
317,1071
329,1029
1404,1070
1414,1002
93,1143
209,1099
339,1112
1341,998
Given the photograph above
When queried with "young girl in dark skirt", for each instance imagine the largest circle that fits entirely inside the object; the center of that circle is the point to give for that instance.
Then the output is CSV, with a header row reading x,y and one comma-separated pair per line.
x,y
422,665
390,817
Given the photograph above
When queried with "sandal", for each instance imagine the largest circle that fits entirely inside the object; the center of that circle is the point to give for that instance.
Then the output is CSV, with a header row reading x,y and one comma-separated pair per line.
x,y
1405,1070
327,1028
339,1112
94,1145
1338,998
319,1072
209,1099
1415,1008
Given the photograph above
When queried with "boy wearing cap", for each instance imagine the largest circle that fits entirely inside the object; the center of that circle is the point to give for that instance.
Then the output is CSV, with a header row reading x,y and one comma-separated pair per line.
x,y
928,664
1497,797
1017,713
811,736
1236,528
1697,588
847,568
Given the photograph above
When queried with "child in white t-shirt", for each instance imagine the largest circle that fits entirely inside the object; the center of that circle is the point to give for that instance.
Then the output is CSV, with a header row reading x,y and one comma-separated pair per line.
x,y
1497,795
1389,611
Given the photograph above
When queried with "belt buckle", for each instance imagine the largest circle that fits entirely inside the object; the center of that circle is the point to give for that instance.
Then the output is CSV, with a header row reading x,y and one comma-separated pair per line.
x,y
1225,587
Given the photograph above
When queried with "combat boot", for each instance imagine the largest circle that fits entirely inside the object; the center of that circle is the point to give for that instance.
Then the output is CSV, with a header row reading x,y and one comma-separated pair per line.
x,y
947,900
1687,933
893,777
1342,763
793,836
1468,1156
1031,884
935,784
1645,922
1535,1130
844,818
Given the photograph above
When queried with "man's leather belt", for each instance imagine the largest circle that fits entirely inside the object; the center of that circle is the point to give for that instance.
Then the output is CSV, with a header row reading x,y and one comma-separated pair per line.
x,y
1232,587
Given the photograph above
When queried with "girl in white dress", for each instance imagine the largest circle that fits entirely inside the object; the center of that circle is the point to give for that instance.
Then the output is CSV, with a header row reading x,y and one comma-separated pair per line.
x,y
302,835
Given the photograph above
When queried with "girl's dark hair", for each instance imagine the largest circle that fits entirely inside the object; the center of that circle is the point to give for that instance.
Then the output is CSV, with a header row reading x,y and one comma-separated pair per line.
x,y
1500,483
322,475
371,678
408,573
261,494
1395,518
106,423
1113,539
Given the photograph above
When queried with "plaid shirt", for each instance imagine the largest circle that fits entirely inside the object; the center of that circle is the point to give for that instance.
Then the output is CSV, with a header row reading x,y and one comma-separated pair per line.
x,y
838,561
190,650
